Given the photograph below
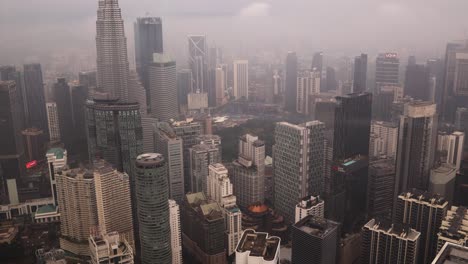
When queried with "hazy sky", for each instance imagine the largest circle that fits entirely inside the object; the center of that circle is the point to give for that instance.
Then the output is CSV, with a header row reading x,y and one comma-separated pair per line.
x,y
29,28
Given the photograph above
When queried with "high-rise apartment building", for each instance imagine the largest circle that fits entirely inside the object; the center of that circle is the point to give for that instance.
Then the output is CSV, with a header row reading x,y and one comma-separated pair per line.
x,y
258,248
314,241
113,200
450,146
291,82
56,160
383,140
308,84
148,40
380,188
298,158
152,194
387,242
360,74
249,171
35,99
53,122
111,51
110,248
78,213
417,82
424,212
171,147
162,76
201,157
416,146
176,237
453,228
203,228
241,79
387,70
198,62
310,205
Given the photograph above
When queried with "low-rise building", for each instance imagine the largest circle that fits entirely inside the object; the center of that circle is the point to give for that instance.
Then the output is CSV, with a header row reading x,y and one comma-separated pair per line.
x,y
258,248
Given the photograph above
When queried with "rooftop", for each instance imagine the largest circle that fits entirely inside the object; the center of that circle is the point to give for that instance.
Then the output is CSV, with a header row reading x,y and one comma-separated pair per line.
x,y
150,159
309,201
455,225
210,209
259,244
46,209
424,196
399,230
452,254
316,226
57,152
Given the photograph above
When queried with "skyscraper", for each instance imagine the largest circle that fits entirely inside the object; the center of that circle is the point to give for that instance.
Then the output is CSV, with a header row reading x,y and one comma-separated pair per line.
x,y
35,99
198,62
461,122
148,40
291,82
163,88
298,158
62,97
56,160
331,84
314,241
379,188
114,207
317,61
241,79
249,171
383,140
360,74
308,84
176,232
201,156
34,143
79,95
89,80
387,242
416,146
450,147
111,51
387,70
424,212
221,83
352,126
78,212
309,205
152,195
138,94
417,82
184,86
53,121
148,125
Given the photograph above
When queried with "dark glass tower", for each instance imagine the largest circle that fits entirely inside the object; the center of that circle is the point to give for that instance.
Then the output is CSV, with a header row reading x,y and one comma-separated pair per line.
x,y
291,82
61,92
35,100
148,40
317,61
360,74
79,95
417,82
152,194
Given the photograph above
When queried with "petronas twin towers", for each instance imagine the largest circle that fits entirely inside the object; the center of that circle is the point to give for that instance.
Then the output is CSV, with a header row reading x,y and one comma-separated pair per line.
x,y
111,47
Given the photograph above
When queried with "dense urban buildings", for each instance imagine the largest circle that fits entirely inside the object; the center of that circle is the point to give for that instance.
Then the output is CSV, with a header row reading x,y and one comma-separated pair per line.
x,y
383,140
308,85
453,228
152,195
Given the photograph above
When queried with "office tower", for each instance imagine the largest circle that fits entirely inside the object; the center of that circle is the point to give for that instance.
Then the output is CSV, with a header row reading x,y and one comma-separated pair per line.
x,y
79,95
317,61
171,147
461,74
114,207
152,194
12,158
298,157
220,189
163,88
148,40
325,112
62,97
352,126
424,212
450,147
201,156
197,62
360,74
203,229
56,160
461,122
9,73
451,253
417,82
382,102
53,122
176,237
308,84
188,131
277,87
148,125
34,95
310,205
111,51
387,242
249,171
331,84
314,240
453,228
184,85
380,188
416,146
258,247
110,248
137,93
442,181
383,140
78,213
89,80
387,70
241,79
291,82
220,85
435,68
34,143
